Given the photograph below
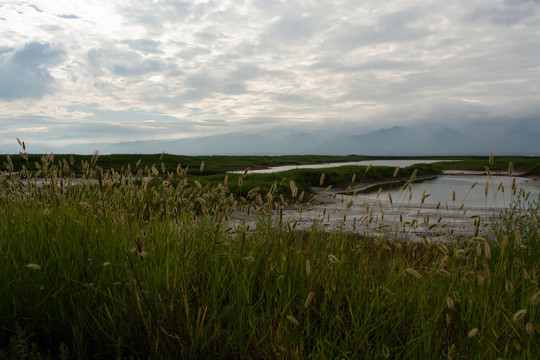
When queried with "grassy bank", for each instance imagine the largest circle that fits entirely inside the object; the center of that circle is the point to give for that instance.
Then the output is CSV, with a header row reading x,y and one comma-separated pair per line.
x,y
306,179
222,164
128,268
213,164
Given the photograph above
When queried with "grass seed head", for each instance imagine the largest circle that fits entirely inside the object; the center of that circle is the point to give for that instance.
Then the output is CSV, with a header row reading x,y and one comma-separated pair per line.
x,y
509,286
34,266
518,238
85,204
413,176
94,159
309,299
443,272
451,351
487,250
519,315
450,303
472,333
385,352
414,273
292,319
535,298
443,261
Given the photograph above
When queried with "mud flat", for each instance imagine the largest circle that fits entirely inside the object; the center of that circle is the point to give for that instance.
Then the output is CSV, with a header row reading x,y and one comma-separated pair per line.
x,y
366,216
399,216
381,217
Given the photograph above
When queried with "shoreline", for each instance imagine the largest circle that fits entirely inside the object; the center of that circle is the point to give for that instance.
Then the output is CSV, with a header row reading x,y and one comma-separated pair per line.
x,y
336,209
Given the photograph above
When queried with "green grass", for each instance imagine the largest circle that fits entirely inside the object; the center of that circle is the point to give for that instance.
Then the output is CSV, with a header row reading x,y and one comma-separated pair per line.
x,y
138,269
307,179
221,164
213,164
528,165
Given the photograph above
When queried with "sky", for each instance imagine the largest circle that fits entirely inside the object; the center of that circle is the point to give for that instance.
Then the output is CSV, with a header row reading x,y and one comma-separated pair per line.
x,y
92,71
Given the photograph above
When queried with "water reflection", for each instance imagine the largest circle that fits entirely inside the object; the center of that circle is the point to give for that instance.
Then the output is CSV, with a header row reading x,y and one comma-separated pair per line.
x,y
471,190
391,163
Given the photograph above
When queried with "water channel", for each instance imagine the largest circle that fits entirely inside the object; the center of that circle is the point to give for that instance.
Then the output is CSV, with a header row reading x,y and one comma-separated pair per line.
x,y
453,203
391,163
473,190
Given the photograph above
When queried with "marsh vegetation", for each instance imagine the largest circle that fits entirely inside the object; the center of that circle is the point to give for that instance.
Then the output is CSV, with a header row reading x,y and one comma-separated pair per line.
x,y
143,260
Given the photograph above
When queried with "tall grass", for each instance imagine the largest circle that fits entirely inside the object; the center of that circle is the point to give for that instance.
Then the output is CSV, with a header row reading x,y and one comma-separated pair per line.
x,y
113,265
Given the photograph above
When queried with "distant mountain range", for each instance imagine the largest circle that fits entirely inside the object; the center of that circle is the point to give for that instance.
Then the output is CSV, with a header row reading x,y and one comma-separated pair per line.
x,y
479,138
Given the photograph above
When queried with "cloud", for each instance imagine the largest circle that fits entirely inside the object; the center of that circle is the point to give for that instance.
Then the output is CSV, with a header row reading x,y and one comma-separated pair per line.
x,y
82,124
113,59
147,46
24,73
506,14
157,15
68,16
33,7
341,66
208,84
291,29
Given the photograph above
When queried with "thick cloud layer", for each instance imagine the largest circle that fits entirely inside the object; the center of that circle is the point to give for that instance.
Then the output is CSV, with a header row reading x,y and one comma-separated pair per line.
x,y
101,71
24,72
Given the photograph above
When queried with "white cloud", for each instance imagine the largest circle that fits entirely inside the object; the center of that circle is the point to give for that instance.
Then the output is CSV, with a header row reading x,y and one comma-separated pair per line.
x,y
225,64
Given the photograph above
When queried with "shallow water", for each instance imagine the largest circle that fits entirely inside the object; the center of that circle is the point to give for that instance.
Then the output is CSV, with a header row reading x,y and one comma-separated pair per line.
x,y
391,163
469,190
367,214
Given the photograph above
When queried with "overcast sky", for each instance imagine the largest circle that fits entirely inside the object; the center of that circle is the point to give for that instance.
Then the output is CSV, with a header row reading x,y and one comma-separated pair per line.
x,y
76,71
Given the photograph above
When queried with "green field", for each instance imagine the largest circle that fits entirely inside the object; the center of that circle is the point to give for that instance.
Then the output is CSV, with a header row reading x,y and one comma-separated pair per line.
x,y
120,266
221,164
215,168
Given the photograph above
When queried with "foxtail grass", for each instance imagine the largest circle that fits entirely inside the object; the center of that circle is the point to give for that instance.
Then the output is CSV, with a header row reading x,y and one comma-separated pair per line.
x,y
113,264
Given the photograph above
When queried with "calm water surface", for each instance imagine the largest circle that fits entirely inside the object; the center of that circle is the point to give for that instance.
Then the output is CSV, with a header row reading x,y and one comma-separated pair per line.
x,y
440,189
392,163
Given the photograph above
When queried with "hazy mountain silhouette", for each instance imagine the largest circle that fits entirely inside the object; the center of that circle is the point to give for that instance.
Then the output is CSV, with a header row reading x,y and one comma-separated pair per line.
x,y
478,138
